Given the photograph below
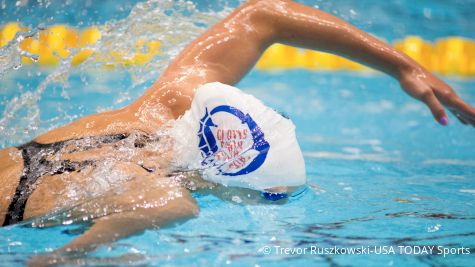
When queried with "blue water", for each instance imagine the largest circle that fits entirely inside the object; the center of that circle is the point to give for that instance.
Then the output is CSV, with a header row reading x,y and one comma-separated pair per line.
x,y
380,172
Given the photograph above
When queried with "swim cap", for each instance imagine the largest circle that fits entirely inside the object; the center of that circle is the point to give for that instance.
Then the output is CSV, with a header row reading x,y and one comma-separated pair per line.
x,y
235,140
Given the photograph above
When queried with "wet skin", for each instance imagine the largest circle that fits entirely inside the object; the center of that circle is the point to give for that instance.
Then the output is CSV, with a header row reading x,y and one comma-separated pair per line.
x,y
224,53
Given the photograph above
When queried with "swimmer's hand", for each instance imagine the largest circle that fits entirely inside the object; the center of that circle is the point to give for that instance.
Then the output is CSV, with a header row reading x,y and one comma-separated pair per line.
x,y
436,94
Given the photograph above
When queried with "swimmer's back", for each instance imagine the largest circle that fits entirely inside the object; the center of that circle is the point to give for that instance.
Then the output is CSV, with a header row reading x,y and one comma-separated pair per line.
x,y
140,119
120,121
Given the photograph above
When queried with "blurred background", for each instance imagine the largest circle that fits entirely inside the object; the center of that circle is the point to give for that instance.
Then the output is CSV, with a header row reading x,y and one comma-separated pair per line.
x,y
391,20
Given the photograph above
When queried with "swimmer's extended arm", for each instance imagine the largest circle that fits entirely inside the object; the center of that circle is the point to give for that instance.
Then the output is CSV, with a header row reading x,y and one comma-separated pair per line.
x,y
103,231
120,225
228,50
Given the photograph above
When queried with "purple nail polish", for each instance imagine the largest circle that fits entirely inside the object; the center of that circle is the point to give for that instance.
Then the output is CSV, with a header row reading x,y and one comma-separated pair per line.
x,y
444,120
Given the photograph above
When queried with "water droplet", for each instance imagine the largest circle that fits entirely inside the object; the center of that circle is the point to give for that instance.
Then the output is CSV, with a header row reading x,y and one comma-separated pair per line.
x,y
236,199
15,243
67,222
434,228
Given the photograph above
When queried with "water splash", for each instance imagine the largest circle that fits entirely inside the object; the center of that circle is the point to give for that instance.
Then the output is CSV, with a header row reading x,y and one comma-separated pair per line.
x,y
98,189
11,54
173,23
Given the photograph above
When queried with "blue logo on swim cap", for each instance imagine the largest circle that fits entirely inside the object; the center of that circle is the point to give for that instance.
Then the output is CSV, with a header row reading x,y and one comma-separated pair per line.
x,y
209,145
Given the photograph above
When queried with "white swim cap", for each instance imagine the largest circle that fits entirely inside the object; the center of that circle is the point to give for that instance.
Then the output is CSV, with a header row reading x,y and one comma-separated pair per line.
x,y
237,141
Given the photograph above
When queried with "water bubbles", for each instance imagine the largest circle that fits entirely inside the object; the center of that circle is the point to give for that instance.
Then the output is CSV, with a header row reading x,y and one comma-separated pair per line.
x,y
64,94
236,199
192,186
174,28
147,25
35,58
134,250
15,243
434,228
67,222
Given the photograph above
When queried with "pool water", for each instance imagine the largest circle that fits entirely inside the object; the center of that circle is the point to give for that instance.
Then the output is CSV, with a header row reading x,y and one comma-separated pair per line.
x,y
381,173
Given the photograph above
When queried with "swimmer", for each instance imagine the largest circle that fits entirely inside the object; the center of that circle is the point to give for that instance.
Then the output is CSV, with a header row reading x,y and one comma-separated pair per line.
x,y
127,140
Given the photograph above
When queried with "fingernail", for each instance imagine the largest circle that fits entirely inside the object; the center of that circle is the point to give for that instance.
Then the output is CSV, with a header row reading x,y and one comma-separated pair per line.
x,y
444,120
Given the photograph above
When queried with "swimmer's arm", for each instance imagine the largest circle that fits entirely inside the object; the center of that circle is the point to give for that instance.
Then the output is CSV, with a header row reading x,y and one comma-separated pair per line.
x,y
109,229
104,230
229,49
306,27
121,225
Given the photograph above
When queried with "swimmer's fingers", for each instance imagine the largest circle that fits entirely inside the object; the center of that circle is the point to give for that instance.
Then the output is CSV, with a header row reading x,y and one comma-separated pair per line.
x,y
459,117
435,107
463,119
466,112
462,110
436,94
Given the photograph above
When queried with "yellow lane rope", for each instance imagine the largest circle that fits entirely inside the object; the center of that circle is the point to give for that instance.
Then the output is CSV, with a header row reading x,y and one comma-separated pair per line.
x,y
447,56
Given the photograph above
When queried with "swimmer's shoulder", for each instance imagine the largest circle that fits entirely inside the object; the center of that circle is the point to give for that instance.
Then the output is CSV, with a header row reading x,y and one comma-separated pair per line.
x,y
166,100
120,121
